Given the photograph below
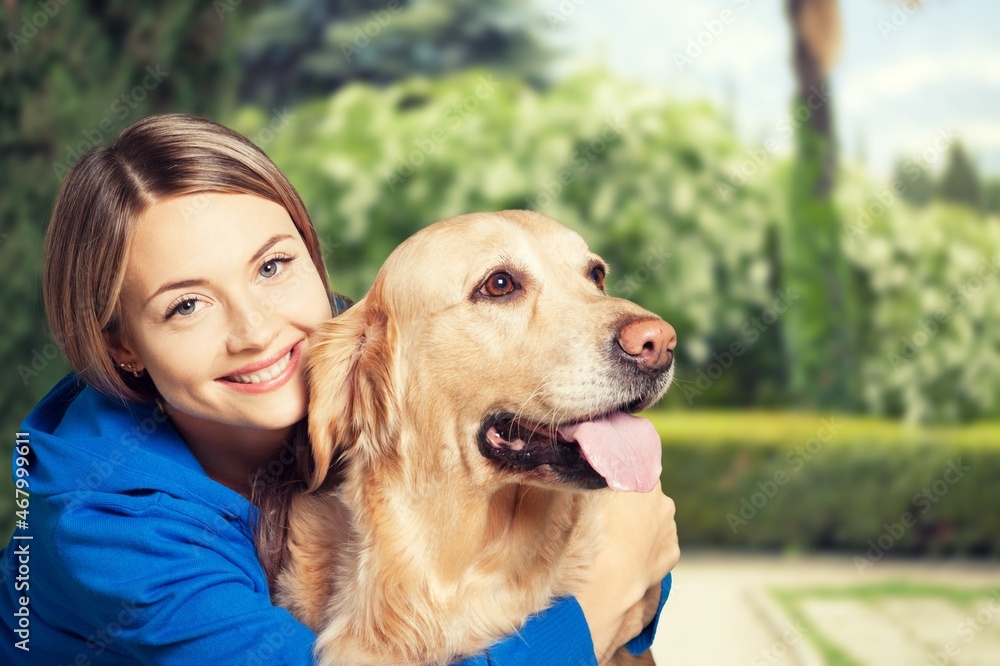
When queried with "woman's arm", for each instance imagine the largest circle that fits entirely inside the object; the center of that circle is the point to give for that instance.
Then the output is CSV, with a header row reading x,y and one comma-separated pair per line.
x,y
618,600
620,606
560,636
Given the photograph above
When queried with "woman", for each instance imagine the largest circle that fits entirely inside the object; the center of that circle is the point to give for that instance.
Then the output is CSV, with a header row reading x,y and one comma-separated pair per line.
x,y
182,278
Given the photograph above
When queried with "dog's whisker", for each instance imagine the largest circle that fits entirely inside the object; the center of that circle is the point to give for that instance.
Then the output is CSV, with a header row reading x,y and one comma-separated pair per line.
x,y
534,392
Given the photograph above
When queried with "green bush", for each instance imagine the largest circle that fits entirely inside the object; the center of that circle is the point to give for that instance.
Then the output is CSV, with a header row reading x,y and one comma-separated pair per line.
x,y
798,481
928,281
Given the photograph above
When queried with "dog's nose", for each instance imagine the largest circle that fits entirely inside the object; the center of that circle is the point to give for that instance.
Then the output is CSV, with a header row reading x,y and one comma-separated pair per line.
x,y
650,342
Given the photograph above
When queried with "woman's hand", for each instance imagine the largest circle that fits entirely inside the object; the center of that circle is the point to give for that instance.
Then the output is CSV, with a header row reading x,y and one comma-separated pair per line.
x,y
639,550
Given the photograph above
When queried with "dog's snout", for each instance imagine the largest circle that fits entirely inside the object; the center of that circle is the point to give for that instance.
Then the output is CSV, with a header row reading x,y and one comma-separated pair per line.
x,y
650,342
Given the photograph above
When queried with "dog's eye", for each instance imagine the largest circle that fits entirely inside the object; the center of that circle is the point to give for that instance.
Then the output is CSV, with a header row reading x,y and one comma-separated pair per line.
x,y
597,274
498,284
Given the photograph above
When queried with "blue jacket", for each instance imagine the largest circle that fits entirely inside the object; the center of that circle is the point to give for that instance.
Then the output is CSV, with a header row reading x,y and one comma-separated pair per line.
x,y
129,553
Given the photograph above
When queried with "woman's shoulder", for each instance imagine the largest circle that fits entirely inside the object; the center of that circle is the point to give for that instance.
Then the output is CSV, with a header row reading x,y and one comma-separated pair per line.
x,y
88,449
73,409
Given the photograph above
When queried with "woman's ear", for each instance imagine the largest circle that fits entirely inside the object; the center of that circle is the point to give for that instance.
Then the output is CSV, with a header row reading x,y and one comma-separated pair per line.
x,y
350,388
121,351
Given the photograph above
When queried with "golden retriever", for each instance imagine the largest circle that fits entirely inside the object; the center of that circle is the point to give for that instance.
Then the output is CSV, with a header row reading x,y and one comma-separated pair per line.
x,y
463,417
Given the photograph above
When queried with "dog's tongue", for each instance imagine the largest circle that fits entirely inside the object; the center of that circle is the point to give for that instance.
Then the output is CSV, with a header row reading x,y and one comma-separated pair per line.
x,y
622,448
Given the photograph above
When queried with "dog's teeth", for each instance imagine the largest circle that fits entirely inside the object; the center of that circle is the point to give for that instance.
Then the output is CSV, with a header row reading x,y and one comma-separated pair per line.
x,y
494,438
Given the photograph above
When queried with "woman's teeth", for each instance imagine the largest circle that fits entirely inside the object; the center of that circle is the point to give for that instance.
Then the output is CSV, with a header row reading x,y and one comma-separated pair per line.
x,y
265,374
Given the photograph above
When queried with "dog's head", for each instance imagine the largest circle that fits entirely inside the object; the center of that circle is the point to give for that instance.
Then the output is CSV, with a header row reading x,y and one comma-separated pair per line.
x,y
488,348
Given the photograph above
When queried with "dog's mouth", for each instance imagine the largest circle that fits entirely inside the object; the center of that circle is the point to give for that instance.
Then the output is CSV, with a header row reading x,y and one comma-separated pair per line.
x,y
617,450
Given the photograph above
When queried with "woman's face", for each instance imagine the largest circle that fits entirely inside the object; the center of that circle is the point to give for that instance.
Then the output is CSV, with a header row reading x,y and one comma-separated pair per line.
x,y
219,296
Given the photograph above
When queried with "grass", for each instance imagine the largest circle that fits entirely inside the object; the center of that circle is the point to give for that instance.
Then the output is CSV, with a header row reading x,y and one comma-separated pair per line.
x,y
832,654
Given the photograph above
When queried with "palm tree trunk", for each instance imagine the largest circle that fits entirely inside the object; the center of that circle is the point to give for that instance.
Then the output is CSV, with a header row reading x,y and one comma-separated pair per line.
x,y
811,53
818,329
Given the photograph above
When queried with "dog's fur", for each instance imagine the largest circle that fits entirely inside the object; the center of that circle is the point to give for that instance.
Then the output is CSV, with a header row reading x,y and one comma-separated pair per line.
x,y
413,546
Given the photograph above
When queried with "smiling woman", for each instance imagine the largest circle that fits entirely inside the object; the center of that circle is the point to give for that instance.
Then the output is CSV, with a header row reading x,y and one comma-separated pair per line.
x,y
182,280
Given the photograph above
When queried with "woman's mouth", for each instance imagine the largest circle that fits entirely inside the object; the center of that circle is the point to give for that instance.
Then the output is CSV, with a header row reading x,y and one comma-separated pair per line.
x,y
264,374
268,378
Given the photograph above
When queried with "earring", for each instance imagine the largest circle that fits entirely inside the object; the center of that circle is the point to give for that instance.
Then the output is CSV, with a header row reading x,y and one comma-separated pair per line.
x,y
130,367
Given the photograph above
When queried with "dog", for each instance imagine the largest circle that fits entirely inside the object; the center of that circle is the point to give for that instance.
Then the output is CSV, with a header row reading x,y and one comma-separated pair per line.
x,y
464,417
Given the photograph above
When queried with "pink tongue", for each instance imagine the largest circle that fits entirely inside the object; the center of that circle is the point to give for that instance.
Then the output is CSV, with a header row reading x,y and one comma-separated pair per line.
x,y
624,449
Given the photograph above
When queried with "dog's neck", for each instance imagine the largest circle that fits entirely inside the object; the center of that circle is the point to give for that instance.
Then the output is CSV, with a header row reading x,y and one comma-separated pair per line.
x,y
462,530
475,562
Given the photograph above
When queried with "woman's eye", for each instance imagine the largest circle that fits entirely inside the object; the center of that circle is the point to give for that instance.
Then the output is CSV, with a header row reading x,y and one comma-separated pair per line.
x,y
597,274
273,266
270,269
498,284
184,308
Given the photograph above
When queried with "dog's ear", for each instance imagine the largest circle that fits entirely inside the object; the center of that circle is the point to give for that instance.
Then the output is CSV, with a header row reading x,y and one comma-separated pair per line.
x,y
350,385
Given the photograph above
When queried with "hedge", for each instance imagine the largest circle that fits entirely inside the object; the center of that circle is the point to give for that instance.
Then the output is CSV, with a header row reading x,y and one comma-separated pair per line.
x,y
804,481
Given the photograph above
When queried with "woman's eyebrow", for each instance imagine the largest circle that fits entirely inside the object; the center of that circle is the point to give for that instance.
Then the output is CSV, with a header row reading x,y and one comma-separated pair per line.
x,y
271,242
184,284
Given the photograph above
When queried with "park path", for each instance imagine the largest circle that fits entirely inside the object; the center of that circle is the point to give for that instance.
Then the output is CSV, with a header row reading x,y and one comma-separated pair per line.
x,y
721,614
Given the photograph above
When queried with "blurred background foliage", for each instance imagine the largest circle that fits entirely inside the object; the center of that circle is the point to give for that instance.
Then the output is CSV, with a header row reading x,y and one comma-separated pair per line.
x,y
388,116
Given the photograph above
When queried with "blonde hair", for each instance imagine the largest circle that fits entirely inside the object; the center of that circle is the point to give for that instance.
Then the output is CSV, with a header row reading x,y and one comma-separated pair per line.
x,y
95,216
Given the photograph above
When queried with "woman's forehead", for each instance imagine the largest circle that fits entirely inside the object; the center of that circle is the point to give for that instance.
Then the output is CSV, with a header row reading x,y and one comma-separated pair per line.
x,y
191,236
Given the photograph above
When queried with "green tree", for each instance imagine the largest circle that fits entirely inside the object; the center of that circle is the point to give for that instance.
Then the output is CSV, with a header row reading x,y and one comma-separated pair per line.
x,y
991,196
915,182
818,330
297,49
960,179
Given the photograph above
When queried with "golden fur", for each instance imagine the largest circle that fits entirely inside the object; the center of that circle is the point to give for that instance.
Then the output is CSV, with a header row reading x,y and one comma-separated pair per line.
x,y
411,546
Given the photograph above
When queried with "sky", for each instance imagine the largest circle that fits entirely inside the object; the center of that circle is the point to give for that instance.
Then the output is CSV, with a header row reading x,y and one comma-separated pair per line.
x,y
903,78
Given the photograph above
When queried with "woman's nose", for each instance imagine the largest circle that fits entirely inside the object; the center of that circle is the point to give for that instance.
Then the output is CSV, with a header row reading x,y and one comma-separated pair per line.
x,y
253,325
